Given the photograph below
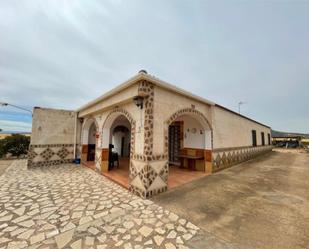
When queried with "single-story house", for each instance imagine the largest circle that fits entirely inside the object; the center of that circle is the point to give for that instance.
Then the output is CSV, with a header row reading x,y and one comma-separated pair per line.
x,y
144,132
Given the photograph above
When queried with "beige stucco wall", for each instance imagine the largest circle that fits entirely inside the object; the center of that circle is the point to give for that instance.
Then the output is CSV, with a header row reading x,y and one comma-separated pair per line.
x,y
51,126
232,130
101,117
125,95
165,104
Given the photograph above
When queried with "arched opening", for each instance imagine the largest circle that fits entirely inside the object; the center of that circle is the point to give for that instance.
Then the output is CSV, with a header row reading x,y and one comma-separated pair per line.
x,y
89,142
189,139
117,137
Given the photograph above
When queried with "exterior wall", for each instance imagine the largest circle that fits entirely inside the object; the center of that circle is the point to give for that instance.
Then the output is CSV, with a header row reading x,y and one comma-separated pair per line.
x,y
165,104
125,95
150,170
232,142
232,130
52,139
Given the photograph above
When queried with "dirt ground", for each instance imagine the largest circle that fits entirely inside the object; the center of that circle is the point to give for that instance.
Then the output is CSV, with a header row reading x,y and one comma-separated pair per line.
x,y
263,203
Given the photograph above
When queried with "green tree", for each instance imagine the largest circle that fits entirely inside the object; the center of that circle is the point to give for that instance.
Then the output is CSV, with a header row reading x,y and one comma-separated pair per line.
x,y
15,144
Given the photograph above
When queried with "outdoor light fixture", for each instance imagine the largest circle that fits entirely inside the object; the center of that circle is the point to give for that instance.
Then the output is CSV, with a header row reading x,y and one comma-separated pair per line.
x,y
18,107
139,101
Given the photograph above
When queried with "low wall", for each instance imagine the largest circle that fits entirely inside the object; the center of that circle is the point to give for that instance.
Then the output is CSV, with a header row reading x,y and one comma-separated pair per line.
x,y
52,139
50,154
227,157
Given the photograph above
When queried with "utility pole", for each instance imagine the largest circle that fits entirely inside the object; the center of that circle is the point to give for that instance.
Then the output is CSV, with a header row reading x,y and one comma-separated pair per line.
x,y
239,104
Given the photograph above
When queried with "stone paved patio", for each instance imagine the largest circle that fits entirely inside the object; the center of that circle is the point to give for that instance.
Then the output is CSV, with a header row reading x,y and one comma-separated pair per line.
x,y
71,206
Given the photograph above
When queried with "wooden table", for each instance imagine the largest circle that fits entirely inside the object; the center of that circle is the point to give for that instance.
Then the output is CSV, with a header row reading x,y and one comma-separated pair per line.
x,y
191,160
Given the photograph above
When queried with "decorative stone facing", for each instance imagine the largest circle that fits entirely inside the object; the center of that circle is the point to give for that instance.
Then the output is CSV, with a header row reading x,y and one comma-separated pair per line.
x,y
146,89
224,158
124,112
49,154
148,178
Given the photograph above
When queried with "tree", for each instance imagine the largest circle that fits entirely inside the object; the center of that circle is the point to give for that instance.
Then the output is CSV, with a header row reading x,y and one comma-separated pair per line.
x,y
15,144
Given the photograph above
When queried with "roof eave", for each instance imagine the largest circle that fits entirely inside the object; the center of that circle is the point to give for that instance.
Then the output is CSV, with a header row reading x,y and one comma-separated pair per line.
x,y
143,76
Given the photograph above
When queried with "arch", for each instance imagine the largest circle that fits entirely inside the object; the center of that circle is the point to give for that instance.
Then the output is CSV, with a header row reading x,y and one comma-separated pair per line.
x,y
85,129
190,112
111,117
199,116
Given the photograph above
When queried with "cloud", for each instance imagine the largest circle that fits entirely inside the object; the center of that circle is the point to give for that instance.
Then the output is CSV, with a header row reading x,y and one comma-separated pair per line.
x,y
19,126
62,54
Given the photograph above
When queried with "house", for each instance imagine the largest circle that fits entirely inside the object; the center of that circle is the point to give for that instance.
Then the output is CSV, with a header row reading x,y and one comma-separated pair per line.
x,y
156,132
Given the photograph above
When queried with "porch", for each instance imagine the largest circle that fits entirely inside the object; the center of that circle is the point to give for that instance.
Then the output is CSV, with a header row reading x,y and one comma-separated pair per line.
x,y
177,176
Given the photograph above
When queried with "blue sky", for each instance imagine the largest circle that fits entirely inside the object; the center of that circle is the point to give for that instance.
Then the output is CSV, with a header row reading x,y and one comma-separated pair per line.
x,y
62,54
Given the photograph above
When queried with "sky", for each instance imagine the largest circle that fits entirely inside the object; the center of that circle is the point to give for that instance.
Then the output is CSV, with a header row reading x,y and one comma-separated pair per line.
x,y
64,53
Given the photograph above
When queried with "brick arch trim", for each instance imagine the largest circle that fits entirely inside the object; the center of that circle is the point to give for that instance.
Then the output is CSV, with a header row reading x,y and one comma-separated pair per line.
x,y
89,122
190,112
121,111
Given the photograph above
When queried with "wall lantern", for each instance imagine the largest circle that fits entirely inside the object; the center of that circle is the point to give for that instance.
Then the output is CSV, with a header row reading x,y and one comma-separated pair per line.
x,y
139,101
97,135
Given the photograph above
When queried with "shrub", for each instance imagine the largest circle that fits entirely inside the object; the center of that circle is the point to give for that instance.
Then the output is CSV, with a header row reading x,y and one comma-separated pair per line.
x,y
15,144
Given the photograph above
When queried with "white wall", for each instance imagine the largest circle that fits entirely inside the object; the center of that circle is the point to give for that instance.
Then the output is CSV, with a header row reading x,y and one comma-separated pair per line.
x,y
232,130
92,133
116,141
193,140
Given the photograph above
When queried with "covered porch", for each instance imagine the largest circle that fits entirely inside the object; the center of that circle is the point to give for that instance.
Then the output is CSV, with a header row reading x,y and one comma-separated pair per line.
x,y
120,175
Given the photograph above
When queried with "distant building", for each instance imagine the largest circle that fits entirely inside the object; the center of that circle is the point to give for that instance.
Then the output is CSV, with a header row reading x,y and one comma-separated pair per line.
x,y
286,139
153,128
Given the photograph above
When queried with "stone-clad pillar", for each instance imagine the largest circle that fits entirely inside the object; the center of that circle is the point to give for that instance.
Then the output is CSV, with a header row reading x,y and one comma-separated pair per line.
x,y
148,174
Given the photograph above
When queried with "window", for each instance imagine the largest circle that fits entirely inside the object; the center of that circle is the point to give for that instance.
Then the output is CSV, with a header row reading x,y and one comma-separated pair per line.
x,y
268,139
253,137
263,138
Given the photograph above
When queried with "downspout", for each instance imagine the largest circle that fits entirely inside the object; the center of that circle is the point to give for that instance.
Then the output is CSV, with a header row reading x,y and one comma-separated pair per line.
x,y
75,135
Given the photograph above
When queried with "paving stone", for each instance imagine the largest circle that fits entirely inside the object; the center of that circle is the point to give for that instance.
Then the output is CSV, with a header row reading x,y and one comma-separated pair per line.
x,y
145,231
101,246
128,224
172,234
20,211
6,218
9,229
170,246
26,235
89,241
17,245
158,239
66,206
37,238
28,223
93,230
64,238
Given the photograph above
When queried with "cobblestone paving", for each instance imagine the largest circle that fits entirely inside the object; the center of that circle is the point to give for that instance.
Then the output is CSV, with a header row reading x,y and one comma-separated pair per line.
x,y
70,206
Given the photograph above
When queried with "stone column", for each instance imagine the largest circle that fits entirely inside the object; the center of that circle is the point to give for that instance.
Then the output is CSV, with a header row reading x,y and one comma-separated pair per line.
x,y
148,171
